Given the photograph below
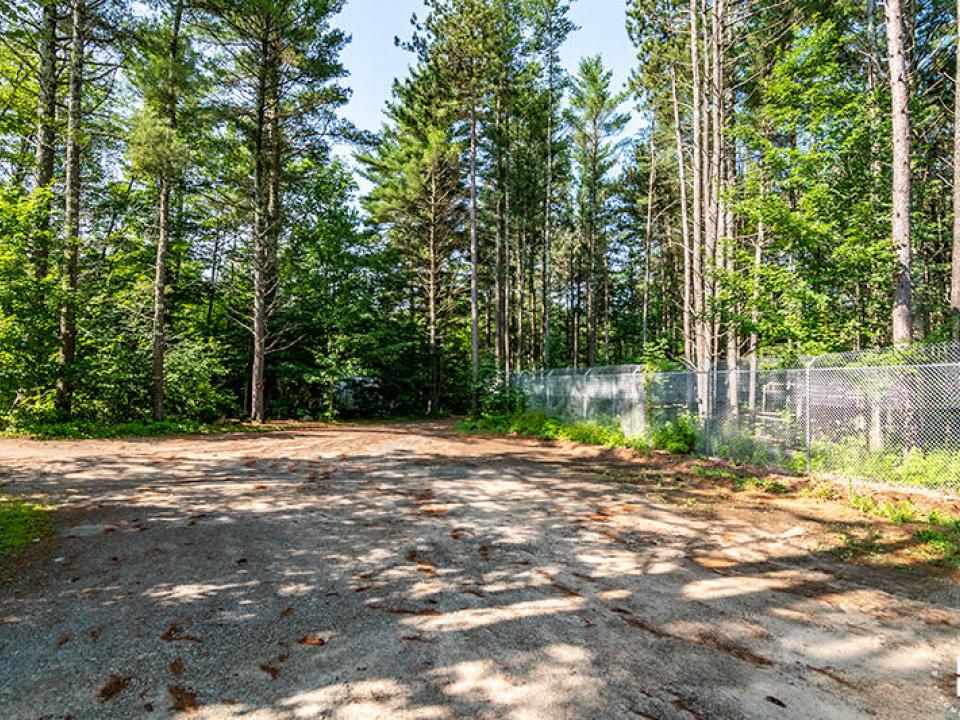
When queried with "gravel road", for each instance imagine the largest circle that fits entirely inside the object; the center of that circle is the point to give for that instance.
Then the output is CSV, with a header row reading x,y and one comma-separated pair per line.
x,y
404,571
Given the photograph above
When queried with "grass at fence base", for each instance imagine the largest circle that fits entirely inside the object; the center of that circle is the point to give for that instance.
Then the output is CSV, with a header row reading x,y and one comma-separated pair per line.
x,y
916,467
21,523
937,535
849,459
750,450
677,436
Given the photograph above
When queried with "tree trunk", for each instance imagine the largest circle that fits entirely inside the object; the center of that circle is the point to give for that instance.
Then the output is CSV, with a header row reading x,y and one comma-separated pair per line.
x,y
432,288
71,225
46,131
474,259
261,230
902,323
159,301
648,240
688,341
163,240
548,209
702,345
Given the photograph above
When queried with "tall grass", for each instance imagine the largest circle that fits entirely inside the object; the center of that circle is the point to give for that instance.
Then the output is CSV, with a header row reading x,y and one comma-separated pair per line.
x,y
678,436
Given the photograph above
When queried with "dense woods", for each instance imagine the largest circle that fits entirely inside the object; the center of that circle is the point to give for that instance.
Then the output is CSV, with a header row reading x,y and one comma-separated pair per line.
x,y
178,239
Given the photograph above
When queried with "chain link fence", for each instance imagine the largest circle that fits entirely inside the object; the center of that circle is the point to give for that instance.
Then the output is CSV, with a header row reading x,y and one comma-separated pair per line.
x,y
887,415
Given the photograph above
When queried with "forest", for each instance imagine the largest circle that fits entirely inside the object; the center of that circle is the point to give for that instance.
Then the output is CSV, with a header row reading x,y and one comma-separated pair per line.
x,y
179,239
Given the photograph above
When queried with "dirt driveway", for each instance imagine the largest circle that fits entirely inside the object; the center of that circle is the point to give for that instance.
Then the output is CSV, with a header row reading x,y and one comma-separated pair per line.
x,y
403,571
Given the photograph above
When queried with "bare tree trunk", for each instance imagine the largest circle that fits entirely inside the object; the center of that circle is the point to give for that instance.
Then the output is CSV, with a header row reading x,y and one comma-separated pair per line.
x,y
46,131
548,209
648,241
163,239
521,295
715,215
688,342
261,241
575,309
955,262
71,225
474,259
902,321
702,345
159,301
432,288
755,314
507,280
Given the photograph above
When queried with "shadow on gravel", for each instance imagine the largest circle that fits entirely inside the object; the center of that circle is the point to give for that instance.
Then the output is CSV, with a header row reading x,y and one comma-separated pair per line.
x,y
463,582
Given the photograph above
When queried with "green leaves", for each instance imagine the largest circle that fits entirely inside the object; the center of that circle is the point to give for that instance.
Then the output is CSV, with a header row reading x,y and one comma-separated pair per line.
x,y
155,149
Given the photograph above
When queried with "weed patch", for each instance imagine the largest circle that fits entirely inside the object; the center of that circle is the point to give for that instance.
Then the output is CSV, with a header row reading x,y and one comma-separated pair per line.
x,y
21,523
773,487
899,513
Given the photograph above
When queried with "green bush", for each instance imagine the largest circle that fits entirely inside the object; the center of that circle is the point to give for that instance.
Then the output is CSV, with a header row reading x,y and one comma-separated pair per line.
x,y
746,449
593,434
677,436
501,398
194,382
534,423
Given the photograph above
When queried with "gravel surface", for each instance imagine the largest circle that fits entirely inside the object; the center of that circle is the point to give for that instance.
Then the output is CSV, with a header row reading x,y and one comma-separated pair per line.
x,y
403,571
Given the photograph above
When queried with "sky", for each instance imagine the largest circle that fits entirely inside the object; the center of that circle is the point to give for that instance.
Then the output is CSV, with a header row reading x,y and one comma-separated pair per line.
x,y
373,61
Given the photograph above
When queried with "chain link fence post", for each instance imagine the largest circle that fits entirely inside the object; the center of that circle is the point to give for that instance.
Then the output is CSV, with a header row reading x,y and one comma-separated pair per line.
x,y
806,412
586,395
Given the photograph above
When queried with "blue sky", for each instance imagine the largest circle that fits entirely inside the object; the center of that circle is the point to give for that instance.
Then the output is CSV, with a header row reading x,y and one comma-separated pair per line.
x,y
373,61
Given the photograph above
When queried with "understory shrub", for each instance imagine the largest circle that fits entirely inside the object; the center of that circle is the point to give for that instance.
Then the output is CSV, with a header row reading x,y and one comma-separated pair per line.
x,y
677,436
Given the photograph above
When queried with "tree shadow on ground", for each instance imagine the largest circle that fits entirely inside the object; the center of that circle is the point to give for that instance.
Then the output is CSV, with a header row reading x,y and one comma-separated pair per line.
x,y
431,576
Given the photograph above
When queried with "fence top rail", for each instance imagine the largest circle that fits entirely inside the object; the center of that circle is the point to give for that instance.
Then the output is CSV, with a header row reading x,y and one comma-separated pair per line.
x,y
634,370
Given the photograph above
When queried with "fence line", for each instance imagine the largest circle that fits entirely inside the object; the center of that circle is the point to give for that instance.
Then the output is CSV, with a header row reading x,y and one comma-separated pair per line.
x,y
890,416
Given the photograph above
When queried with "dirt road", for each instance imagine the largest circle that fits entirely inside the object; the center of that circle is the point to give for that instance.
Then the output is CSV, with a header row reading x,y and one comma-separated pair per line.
x,y
403,571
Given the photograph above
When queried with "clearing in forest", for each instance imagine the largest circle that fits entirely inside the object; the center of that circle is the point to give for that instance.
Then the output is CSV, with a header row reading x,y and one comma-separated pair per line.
x,y
406,571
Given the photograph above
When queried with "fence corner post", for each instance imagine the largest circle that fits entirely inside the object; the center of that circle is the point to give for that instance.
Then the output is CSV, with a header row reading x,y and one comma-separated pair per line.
x,y
586,379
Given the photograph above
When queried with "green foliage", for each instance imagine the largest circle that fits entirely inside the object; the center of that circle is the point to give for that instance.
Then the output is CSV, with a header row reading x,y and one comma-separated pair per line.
x,y
501,398
820,491
747,449
592,434
917,467
773,487
154,149
537,424
714,472
677,436
941,542
80,430
194,382
903,511
21,523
